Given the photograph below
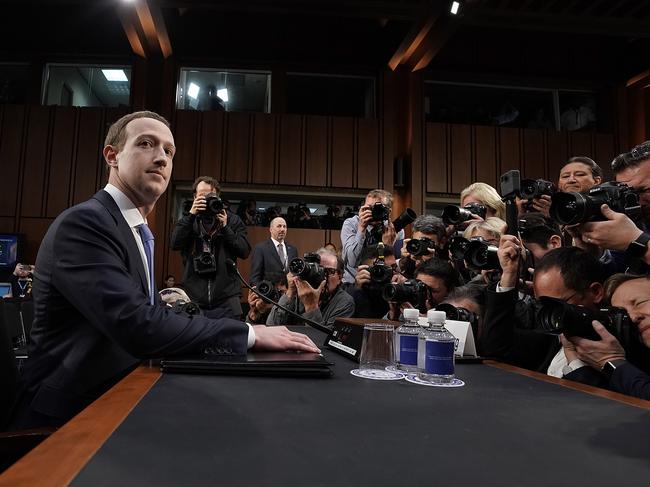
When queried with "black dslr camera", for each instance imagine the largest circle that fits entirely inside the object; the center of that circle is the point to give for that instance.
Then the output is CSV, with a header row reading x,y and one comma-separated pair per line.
x,y
182,306
380,212
535,188
213,204
476,252
308,269
454,215
460,314
411,291
205,264
420,246
573,208
268,290
555,316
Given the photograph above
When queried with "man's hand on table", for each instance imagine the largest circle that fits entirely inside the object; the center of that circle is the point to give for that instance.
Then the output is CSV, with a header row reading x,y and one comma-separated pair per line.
x,y
279,338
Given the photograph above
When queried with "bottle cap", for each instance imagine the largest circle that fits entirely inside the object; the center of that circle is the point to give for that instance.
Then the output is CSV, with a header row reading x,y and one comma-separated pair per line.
x,y
411,314
434,316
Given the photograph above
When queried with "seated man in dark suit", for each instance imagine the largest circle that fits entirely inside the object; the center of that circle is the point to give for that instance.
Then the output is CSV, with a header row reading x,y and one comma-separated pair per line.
x,y
96,310
273,255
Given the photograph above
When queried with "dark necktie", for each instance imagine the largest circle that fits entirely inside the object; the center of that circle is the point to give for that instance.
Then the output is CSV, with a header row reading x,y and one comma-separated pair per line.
x,y
283,258
147,241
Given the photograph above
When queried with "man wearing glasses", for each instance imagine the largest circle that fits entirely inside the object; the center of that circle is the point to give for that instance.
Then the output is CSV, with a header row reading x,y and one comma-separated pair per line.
x,y
323,303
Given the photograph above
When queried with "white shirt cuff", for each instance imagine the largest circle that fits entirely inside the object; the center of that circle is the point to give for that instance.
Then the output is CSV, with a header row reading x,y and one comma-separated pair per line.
x,y
251,336
575,364
501,289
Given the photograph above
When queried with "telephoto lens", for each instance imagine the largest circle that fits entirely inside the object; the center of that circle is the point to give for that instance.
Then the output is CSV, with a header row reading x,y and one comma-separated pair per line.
x,y
573,208
481,255
308,269
420,246
454,215
268,290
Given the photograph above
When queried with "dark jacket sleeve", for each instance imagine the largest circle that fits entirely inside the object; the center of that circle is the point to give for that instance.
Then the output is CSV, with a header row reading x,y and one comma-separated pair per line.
x,y
257,265
183,233
507,338
235,237
631,380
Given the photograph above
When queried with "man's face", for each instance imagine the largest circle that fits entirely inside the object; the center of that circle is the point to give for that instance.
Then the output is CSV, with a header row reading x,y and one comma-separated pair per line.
x,y
371,200
537,250
437,288
170,282
328,262
551,283
639,178
143,167
278,229
634,297
576,177
203,189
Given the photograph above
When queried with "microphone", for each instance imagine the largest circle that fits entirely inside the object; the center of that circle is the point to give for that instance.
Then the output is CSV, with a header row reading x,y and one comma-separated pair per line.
x,y
231,267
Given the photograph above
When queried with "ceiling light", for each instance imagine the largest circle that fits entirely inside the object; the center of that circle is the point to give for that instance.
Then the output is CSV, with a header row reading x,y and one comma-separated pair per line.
x,y
193,91
223,94
115,75
454,7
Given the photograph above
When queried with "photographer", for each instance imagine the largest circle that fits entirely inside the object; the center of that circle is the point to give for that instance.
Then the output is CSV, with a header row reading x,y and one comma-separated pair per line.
x,y
579,174
566,273
21,282
275,287
371,226
485,195
619,232
206,238
607,356
372,276
428,240
322,302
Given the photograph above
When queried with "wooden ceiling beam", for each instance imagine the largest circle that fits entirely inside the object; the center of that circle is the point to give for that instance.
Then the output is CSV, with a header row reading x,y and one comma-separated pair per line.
x,y
643,77
412,41
433,43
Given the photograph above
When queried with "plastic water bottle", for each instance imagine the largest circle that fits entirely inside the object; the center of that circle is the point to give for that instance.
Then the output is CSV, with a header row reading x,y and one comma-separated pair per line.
x,y
406,342
437,350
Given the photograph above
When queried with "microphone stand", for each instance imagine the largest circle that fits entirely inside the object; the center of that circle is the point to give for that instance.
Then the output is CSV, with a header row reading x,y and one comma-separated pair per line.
x,y
232,269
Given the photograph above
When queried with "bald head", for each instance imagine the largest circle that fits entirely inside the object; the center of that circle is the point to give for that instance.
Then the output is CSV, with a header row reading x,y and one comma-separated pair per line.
x,y
278,229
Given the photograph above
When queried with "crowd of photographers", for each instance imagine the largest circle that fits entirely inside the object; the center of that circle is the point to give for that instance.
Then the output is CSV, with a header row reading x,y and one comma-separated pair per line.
x,y
551,277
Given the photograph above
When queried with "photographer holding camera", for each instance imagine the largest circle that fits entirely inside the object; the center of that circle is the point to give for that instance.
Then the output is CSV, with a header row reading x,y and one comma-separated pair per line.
x,y
616,230
618,369
206,236
371,226
429,239
314,291
377,269
273,288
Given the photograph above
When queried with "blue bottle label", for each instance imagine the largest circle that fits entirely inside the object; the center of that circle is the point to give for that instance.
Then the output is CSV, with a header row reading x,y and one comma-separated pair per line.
x,y
439,358
408,350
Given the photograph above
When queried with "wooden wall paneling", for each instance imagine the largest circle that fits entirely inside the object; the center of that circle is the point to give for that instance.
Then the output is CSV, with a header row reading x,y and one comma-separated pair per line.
x,y
7,224
290,150
306,239
11,142
35,164
238,147
486,155
604,153
61,160
34,230
88,158
509,150
263,156
534,166
369,165
556,153
210,150
316,151
175,265
437,175
185,131
581,144
334,237
342,150
461,157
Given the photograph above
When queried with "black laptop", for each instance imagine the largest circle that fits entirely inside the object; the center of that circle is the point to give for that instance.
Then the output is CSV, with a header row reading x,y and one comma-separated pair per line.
x,y
278,364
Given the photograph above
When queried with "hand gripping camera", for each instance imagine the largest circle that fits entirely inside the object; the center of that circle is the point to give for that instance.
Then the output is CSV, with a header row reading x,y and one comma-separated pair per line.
x,y
420,246
268,290
411,291
454,215
308,269
380,273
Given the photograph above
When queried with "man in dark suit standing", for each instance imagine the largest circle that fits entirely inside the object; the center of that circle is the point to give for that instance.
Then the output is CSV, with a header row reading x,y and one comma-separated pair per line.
x,y
273,255
96,310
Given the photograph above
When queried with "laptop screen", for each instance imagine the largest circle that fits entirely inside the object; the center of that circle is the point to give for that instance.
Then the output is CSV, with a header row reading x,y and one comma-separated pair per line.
x,y
5,289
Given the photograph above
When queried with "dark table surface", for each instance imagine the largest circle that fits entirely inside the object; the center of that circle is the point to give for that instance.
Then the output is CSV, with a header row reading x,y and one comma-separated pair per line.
x,y
500,429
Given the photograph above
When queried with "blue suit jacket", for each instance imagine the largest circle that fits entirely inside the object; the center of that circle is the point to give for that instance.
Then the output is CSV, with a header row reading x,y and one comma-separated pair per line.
x,y
266,261
92,318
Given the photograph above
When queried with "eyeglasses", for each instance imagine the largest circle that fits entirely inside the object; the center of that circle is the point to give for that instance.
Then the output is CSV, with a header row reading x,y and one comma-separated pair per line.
x,y
328,271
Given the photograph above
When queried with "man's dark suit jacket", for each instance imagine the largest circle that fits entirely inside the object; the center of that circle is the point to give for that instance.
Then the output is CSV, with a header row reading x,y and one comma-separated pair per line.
x,y
92,317
266,262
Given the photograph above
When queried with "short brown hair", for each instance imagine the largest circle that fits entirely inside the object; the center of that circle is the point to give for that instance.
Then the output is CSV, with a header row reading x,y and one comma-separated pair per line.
x,y
116,135
634,158
614,282
383,195
208,180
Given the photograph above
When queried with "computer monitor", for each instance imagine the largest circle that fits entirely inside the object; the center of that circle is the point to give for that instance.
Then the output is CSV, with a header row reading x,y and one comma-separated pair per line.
x,y
5,289
10,250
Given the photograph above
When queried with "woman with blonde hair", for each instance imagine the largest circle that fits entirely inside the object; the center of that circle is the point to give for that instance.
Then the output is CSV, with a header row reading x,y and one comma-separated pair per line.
x,y
485,195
